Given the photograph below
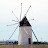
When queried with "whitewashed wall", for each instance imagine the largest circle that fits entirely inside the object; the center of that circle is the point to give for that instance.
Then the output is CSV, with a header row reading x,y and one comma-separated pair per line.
x,y
23,36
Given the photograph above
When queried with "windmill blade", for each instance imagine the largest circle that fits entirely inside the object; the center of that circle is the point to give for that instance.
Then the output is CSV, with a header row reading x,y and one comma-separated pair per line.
x,y
13,32
27,10
30,19
21,12
26,31
34,35
15,16
14,21
12,24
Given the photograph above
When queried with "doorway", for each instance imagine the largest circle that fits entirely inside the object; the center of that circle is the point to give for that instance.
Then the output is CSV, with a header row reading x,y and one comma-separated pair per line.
x,y
29,40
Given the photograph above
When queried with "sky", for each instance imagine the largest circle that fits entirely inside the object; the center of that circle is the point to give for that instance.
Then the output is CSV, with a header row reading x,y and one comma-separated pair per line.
x,y
38,11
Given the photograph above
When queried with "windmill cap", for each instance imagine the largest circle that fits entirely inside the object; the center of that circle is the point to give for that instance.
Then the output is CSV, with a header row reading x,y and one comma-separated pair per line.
x,y
24,22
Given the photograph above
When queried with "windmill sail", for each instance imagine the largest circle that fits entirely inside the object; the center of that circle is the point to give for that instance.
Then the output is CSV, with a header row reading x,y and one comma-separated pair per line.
x,y
15,16
13,32
27,10
21,12
34,35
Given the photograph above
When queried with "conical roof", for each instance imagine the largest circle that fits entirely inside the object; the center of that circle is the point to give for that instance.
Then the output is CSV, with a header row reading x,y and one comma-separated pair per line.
x,y
24,22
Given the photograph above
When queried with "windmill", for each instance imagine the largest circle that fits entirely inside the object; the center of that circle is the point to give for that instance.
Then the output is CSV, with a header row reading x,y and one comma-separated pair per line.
x,y
25,30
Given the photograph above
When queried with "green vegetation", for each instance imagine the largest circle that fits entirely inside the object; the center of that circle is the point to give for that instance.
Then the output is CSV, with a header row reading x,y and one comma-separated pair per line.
x,y
34,43
16,42
45,43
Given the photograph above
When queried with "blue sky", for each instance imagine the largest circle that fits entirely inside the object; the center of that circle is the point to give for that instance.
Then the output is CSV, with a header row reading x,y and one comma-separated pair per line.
x,y
38,11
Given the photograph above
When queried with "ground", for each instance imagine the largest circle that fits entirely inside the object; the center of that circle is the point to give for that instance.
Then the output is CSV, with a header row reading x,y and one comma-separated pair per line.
x,y
23,46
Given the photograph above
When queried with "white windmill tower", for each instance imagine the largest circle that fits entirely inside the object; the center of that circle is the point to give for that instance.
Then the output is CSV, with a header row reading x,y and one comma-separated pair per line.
x,y
25,30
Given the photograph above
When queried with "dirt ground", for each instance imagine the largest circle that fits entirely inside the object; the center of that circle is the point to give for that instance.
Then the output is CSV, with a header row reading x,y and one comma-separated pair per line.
x,y
23,46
